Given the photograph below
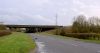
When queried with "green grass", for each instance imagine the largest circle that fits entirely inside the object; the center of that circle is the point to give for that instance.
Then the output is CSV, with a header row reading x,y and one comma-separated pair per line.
x,y
91,41
16,43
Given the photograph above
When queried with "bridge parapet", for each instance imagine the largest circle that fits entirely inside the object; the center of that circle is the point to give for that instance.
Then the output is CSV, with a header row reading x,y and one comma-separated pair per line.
x,y
31,28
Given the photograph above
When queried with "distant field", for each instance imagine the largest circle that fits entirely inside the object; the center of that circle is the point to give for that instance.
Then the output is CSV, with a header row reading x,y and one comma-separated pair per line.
x,y
16,43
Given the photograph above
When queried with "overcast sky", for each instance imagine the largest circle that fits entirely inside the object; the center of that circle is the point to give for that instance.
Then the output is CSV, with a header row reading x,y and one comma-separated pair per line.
x,y
44,11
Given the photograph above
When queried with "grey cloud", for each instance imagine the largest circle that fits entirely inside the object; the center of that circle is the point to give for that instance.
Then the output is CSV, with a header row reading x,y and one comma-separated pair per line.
x,y
44,11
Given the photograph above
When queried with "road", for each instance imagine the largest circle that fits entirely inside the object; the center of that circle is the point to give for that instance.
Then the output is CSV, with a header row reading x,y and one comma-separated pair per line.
x,y
49,44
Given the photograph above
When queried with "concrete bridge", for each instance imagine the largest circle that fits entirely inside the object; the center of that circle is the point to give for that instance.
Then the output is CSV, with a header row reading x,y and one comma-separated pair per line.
x,y
33,28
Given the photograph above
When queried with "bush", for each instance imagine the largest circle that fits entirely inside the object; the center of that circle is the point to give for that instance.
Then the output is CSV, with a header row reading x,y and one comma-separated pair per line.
x,y
4,32
62,32
2,27
83,35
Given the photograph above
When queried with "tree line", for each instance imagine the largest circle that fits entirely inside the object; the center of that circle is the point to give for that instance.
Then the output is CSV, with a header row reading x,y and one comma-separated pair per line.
x,y
83,28
83,24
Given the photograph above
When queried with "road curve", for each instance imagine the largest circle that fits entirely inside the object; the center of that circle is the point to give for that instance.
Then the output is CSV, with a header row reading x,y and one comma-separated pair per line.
x,y
49,44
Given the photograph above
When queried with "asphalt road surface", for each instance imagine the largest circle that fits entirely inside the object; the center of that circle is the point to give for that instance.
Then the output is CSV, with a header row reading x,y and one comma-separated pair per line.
x,y
49,44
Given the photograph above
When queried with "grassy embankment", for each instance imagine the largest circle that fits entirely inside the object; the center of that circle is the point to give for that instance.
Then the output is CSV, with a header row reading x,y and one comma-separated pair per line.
x,y
16,43
52,32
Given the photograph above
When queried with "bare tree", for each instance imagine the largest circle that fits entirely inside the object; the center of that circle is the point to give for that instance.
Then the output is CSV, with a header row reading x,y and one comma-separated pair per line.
x,y
82,25
79,24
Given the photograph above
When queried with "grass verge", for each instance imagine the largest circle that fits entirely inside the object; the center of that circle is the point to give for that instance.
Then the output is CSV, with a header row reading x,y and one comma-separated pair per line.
x,y
16,43
91,41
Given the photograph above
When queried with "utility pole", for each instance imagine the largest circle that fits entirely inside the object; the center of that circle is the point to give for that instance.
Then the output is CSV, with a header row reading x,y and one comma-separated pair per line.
x,y
56,24
56,20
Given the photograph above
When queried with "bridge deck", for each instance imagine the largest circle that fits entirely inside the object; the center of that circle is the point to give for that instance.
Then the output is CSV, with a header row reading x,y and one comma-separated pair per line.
x,y
28,26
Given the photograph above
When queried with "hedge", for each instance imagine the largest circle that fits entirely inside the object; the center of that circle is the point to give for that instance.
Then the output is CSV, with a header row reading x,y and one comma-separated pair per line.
x,y
4,32
83,35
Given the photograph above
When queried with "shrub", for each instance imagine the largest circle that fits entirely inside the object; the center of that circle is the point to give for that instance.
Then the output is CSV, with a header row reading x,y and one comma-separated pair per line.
x,y
62,32
84,35
2,27
4,32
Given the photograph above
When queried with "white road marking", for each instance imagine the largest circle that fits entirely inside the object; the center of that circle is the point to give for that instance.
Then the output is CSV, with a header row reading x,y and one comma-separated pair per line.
x,y
74,45
41,47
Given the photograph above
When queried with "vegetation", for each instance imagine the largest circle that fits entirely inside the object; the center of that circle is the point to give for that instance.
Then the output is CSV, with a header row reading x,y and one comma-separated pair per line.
x,y
4,31
16,43
2,27
83,25
83,28
84,35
